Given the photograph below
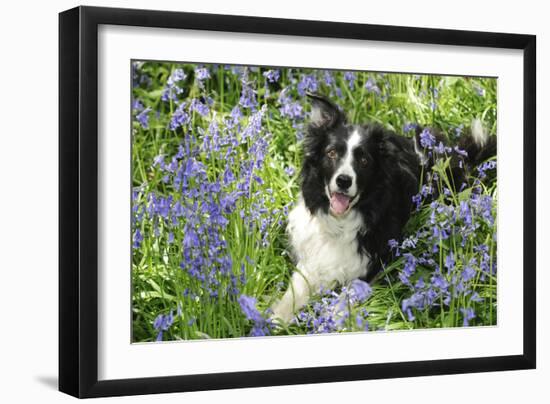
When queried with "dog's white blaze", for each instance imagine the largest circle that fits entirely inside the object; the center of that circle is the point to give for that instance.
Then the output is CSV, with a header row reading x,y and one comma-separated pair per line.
x,y
327,254
346,167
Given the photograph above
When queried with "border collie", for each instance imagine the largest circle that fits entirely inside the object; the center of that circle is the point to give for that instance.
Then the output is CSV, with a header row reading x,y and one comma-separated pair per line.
x,y
357,184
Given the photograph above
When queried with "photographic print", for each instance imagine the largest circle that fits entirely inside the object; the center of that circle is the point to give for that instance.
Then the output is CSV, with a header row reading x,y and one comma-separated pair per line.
x,y
264,187
272,201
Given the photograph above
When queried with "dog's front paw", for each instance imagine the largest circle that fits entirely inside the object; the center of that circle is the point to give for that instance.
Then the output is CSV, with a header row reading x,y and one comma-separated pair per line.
x,y
281,315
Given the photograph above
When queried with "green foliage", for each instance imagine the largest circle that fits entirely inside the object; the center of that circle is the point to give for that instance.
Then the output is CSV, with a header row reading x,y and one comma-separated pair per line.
x,y
253,239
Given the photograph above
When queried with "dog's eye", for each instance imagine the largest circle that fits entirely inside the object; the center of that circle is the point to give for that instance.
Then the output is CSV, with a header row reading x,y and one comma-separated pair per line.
x,y
363,161
332,154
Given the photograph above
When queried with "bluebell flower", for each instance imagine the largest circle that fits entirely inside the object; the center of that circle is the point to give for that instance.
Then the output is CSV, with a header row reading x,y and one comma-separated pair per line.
x,y
143,118
248,97
409,242
360,290
440,148
158,161
350,77
417,201
289,108
408,269
199,106
272,75
137,105
172,90
328,78
440,282
307,83
468,315
137,238
180,117
371,86
450,262
261,326
409,126
468,273
202,73
427,140
248,306
460,152
177,75
488,165
162,323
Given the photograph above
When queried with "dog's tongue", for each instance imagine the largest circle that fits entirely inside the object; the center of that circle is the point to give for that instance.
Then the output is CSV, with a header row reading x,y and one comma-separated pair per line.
x,y
339,203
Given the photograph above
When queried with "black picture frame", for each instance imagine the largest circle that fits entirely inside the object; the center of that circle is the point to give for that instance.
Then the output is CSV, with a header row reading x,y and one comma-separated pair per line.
x,y
78,200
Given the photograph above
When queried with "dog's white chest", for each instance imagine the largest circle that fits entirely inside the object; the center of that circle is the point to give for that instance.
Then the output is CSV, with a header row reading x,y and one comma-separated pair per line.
x,y
326,247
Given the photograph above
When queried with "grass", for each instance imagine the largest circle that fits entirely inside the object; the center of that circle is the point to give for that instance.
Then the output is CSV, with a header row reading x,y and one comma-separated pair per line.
x,y
215,163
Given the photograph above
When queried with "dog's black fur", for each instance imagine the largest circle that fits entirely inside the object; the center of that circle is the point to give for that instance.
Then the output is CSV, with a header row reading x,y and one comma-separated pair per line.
x,y
388,170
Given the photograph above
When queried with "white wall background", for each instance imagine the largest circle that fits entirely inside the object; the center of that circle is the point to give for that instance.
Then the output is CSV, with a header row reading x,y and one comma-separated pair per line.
x,y
28,199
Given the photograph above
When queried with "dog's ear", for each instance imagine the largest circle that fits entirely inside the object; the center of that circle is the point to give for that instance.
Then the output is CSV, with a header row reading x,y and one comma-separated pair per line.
x,y
324,113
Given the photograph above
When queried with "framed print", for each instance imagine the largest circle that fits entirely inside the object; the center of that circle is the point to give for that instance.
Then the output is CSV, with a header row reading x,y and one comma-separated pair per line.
x,y
251,201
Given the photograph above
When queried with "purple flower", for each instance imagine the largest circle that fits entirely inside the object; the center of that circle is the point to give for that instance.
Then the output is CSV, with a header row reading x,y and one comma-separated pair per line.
x,y
465,213
460,152
468,314
248,97
417,200
409,126
488,165
350,77
171,90
409,242
199,107
371,86
272,75
137,105
261,326
248,307
442,149
177,75
427,140
138,238
163,323
143,118
468,273
180,117
408,269
360,290
289,108
202,73
450,262
417,301
440,282
307,83
328,78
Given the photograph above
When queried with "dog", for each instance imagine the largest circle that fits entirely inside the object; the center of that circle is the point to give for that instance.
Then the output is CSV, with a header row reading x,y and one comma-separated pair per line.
x,y
357,184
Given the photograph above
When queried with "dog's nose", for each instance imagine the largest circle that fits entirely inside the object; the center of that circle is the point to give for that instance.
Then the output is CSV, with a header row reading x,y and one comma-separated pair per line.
x,y
343,181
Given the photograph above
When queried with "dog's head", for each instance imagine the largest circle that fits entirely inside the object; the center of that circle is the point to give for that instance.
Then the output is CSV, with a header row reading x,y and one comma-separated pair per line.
x,y
339,157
